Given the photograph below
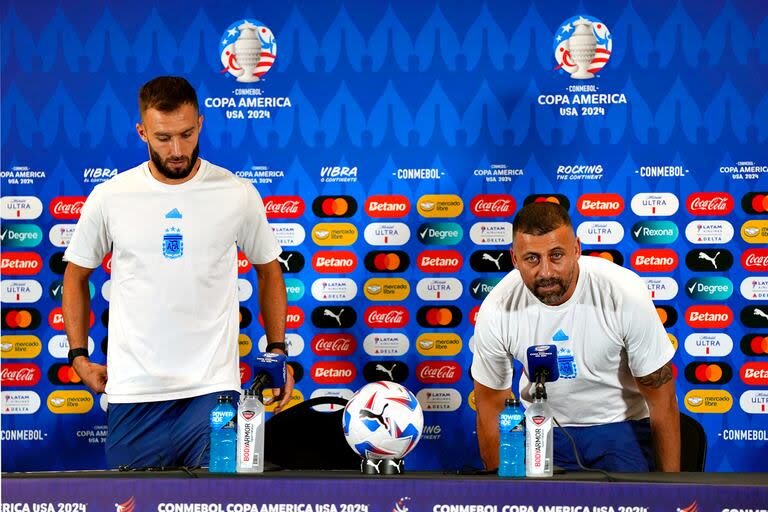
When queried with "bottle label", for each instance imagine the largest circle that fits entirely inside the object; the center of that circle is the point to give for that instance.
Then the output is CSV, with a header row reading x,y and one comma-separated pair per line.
x,y
537,461
222,418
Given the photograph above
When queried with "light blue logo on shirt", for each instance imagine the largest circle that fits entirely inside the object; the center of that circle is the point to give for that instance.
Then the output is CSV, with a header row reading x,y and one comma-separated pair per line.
x,y
565,362
560,336
173,239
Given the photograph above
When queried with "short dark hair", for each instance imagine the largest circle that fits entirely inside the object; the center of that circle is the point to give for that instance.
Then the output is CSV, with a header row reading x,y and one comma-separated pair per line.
x,y
166,94
540,218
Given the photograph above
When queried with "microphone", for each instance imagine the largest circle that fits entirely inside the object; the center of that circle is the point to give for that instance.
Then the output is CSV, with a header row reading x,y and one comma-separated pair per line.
x,y
269,369
542,367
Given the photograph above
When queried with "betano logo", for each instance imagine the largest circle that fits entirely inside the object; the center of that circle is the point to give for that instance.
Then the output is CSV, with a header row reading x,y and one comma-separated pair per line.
x,y
709,232
20,263
716,316
655,232
379,288
294,318
70,402
333,372
334,234
440,261
710,203
244,344
387,261
493,205
600,233
708,373
387,233
709,288
600,205
755,231
715,344
654,260
755,345
334,206
387,207
243,265
284,207
20,235
56,319
20,347
440,233
439,288
20,208
334,262
439,344
654,204
708,401
386,344
754,374
755,203
440,206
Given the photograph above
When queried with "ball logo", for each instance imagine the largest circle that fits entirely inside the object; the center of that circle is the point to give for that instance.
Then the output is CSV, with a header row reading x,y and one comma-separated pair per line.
x,y
654,260
708,401
600,205
336,372
20,263
493,205
755,345
334,206
247,50
661,204
438,372
440,261
709,260
284,207
387,207
386,344
66,207
710,203
755,260
611,255
21,291
755,203
440,206
387,261
582,46
709,317
548,198
387,233
334,262
20,208
340,345
708,373
716,344
754,374
386,317
19,374
600,233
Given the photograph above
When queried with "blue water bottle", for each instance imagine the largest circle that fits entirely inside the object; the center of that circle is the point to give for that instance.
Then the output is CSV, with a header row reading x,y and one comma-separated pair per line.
x,y
512,440
223,437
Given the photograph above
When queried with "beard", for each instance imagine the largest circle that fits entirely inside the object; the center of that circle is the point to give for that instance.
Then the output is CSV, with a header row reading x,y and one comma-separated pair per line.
x,y
174,173
553,297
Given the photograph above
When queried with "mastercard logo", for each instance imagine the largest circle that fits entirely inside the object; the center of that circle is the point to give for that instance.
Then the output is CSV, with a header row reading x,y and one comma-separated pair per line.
x,y
607,254
245,317
667,315
755,345
63,374
446,316
334,206
755,203
708,373
387,261
548,198
20,319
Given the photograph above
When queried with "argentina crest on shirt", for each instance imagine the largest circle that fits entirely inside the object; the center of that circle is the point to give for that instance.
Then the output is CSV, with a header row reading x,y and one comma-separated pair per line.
x,y
173,239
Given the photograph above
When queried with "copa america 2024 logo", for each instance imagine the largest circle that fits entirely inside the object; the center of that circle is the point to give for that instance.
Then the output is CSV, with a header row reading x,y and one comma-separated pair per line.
x,y
247,49
582,46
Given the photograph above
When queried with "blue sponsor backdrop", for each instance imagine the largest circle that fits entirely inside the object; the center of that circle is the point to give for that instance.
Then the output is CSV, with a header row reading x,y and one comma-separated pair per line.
x,y
469,92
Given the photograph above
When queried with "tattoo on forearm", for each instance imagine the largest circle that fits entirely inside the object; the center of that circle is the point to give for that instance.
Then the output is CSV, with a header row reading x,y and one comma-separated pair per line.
x,y
657,378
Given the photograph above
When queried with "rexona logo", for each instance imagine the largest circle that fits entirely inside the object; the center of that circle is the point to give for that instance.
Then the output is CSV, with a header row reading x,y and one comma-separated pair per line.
x,y
709,232
440,233
20,208
333,372
655,232
667,315
716,316
493,205
600,205
20,235
66,207
440,206
755,316
16,291
291,262
438,372
754,402
708,373
386,317
393,288
661,288
70,402
20,347
342,233
755,203
439,288
288,234
387,207
716,344
334,317
334,206
491,233
755,231
754,374
709,260
19,374
387,261
754,288
708,401
340,345
387,233
755,260
491,261
548,198
20,263
710,203
386,344
440,261
655,204
654,260
600,233
755,345
611,255
439,344
284,207
444,316
480,288
709,288
21,319
334,262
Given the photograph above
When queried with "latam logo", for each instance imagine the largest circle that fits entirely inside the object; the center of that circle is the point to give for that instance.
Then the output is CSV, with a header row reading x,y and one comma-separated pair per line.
x,y
72,401
709,232
754,288
710,203
754,402
20,347
334,317
440,206
491,261
334,234
755,231
493,205
66,207
56,319
754,374
661,288
20,208
386,344
20,402
20,263
391,234
440,233
709,260
708,373
291,262
386,317
334,206
716,344
548,198
667,315
378,289
387,261
243,265
16,291
491,233
24,319
755,316
600,233
755,260
387,207
340,345
654,204
655,232
284,207
440,261
334,262
716,316
709,288
438,372
445,316
21,235
600,205
755,345
333,372
439,344
654,260
61,234
708,401
611,255
755,203
439,288
394,371
288,234
19,374
438,400
480,288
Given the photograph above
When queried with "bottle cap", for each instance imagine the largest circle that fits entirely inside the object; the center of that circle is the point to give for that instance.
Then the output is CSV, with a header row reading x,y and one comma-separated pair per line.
x,y
223,399
511,402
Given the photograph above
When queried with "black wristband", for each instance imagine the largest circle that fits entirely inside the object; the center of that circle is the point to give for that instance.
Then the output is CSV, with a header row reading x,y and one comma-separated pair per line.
x,y
76,352
276,345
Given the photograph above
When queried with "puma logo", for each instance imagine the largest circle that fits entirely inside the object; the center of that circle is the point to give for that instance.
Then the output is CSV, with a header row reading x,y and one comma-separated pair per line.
x,y
713,259
488,257
328,312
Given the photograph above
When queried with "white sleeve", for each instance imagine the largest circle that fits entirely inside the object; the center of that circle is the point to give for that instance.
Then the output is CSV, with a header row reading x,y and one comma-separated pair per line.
x,y
90,241
646,341
255,236
491,362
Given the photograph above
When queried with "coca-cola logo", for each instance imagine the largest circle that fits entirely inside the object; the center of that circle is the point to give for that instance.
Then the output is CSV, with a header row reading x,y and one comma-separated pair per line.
x,y
67,207
333,372
710,203
387,207
106,263
243,265
245,373
473,315
383,317
284,207
20,374
438,372
755,260
334,344
20,263
493,205
440,261
334,262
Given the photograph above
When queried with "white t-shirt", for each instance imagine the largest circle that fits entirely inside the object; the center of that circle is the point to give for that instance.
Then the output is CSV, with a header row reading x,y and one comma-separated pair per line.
x,y
174,310
606,332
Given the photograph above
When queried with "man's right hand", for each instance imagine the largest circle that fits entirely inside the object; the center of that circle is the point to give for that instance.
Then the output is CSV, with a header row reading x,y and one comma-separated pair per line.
x,y
93,375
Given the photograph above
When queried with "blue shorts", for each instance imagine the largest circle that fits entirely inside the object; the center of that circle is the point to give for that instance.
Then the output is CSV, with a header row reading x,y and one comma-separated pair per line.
x,y
623,447
166,434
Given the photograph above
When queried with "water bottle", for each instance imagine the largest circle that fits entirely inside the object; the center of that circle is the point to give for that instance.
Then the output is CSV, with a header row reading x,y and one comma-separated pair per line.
x,y
250,433
223,437
538,439
512,440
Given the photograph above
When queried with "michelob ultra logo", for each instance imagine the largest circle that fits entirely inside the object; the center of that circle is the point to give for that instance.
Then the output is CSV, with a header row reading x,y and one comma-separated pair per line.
x,y
440,233
754,401
76,401
600,233
667,315
708,373
58,346
244,344
480,288
294,344
755,203
716,344
334,262
20,263
343,393
20,347
755,345
755,260
493,205
655,232
387,233
548,198
386,344
709,232
600,205
334,206
379,288
708,401
294,289
709,260
716,316
387,207
755,231
20,235
709,288
654,204
439,288
754,288
20,208
491,233
327,233
439,261
710,203
754,374
440,206
611,255
661,288
438,344
654,260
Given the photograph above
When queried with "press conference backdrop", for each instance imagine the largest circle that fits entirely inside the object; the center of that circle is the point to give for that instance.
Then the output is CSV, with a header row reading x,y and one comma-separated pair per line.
x,y
393,143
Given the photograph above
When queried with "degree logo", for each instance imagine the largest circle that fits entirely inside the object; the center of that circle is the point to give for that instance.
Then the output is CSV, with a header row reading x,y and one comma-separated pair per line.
x,y
708,401
387,261
755,203
444,316
440,233
20,235
387,207
709,288
284,207
493,205
439,344
654,260
754,374
75,401
334,234
708,373
607,254
755,345
755,231
716,316
440,206
378,289
655,232
548,198
709,260
600,205
710,203
334,206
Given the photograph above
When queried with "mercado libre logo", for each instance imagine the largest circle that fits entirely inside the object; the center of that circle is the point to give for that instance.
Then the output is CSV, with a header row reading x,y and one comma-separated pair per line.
x,y
248,50
582,46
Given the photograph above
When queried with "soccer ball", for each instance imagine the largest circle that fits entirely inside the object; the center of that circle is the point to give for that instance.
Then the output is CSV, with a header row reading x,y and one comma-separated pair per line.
x,y
383,420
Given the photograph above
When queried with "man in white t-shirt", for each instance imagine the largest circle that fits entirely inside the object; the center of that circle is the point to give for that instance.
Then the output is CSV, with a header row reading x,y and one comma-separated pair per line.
x,y
613,351
173,225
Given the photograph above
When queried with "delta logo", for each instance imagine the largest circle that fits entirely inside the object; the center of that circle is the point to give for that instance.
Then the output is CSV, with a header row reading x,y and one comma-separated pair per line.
x,y
387,207
23,319
440,206
333,372
288,234
20,347
440,233
667,315
754,402
243,265
654,260
437,400
386,344
20,263
386,317
20,402
444,316
394,288
491,233
74,401
708,373
334,262
387,233
19,374
439,344
706,401
284,207
611,255
654,204
20,208
755,231
709,260
755,203
716,344
334,206
710,203
655,232
439,261
66,207
20,291
334,317
438,372
493,205
600,233
755,345
709,288
600,205
754,288
716,316
439,289
340,345
56,319
548,198
709,232
661,288
63,374
754,374
755,260
387,261
20,235
342,233
755,316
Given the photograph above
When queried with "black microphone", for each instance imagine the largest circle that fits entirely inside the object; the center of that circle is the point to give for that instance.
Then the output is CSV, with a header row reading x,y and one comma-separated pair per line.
x,y
542,367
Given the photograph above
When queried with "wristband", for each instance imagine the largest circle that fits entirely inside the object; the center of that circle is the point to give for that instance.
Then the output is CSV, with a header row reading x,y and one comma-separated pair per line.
x,y
75,353
280,345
